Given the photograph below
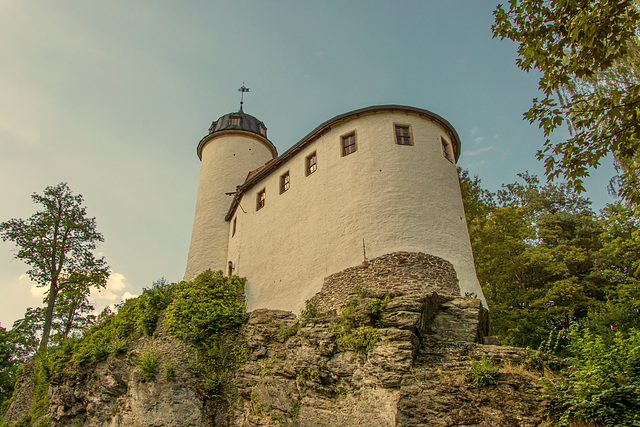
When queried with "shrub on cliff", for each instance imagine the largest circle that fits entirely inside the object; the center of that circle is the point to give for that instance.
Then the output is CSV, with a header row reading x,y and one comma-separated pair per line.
x,y
206,306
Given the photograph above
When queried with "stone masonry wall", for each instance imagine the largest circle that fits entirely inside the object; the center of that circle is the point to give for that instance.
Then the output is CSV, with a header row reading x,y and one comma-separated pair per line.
x,y
397,273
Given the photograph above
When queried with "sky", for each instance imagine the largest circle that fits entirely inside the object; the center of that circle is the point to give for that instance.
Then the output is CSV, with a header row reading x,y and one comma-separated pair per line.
x,y
113,97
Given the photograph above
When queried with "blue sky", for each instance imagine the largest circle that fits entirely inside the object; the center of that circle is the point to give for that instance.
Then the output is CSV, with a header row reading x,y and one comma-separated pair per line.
x,y
113,97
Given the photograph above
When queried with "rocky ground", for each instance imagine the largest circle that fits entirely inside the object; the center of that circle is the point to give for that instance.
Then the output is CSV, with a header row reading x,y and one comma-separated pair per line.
x,y
418,373
393,346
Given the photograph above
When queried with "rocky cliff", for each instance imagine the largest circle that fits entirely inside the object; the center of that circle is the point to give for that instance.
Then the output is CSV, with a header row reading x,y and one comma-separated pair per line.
x,y
386,356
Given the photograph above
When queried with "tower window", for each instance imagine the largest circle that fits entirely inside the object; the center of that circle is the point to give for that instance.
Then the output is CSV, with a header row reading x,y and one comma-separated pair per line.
x,y
348,144
263,130
312,164
233,231
235,121
446,149
403,136
261,199
284,182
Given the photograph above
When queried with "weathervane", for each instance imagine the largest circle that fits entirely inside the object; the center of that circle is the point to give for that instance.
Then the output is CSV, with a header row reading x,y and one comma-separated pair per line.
x,y
242,89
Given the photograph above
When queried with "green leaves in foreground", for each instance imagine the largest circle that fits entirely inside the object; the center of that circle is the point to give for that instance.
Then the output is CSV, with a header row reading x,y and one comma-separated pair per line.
x,y
603,385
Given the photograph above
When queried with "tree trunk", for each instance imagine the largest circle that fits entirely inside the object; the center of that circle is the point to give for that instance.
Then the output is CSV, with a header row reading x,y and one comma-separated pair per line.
x,y
69,322
46,328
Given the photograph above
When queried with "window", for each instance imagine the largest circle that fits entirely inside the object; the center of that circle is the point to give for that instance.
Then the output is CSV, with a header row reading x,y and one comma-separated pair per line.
x,y
446,151
348,144
312,164
233,231
261,199
263,130
403,136
284,182
235,121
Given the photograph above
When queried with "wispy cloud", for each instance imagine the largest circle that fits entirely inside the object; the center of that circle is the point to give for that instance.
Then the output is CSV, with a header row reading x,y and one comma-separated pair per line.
x,y
480,151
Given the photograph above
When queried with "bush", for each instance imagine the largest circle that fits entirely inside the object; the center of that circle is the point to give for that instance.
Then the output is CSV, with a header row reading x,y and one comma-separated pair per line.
x,y
603,385
287,332
149,364
169,371
152,301
377,305
309,311
484,372
206,306
360,340
212,386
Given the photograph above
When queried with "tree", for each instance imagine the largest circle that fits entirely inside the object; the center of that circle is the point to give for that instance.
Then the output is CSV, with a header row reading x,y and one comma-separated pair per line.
x,y
8,366
618,266
535,248
26,332
585,50
57,243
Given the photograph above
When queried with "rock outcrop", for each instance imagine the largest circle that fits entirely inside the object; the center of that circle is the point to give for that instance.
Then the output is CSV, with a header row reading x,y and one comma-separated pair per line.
x,y
398,356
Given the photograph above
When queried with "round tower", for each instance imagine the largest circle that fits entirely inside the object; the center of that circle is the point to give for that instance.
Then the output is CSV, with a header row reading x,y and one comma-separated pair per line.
x,y
236,145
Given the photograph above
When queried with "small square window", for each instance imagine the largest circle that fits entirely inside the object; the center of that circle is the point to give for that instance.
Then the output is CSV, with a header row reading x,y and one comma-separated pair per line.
x,y
446,149
284,182
263,130
261,199
235,121
403,136
348,144
312,164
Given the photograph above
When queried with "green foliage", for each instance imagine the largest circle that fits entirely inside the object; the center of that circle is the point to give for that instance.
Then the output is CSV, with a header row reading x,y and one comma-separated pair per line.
x,y
43,422
24,333
110,335
4,406
587,53
484,372
546,355
377,305
152,302
8,366
118,347
603,385
240,353
45,365
537,253
287,332
309,311
206,306
360,340
57,243
212,386
168,371
356,329
149,364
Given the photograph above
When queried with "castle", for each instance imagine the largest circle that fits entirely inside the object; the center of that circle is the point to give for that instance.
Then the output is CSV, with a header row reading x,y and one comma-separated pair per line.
x,y
371,182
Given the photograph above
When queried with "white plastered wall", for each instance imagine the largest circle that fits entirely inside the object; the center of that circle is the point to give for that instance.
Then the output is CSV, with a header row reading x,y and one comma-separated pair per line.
x,y
396,198
227,157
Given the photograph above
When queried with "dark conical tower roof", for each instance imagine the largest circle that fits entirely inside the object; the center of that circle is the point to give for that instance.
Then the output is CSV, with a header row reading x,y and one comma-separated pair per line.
x,y
239,121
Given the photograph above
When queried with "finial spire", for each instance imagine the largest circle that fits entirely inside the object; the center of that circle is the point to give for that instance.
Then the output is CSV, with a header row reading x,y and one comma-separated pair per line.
x,y
242,89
